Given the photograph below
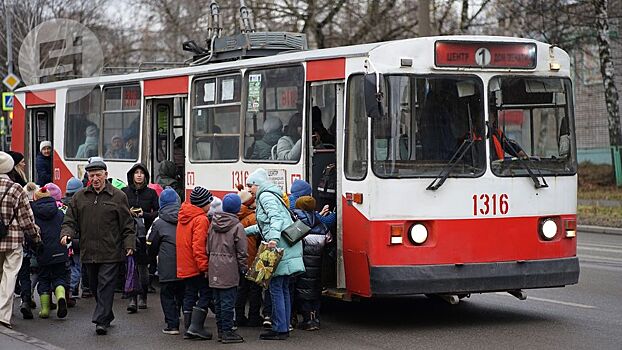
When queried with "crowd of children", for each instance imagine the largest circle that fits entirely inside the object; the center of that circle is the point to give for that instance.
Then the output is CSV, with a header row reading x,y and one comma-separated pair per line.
x,y
202,251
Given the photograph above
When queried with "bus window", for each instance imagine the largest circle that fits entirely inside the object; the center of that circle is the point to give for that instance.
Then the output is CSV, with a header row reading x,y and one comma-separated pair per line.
x,y
82,123
274,114
355,151
430,122
215,124
121,122
531,118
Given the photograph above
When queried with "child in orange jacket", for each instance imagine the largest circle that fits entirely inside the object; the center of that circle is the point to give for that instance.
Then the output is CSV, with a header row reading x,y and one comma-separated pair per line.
x,y
192,262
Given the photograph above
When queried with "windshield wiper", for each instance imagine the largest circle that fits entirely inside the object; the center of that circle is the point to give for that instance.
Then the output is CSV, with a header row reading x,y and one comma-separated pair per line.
x,y
521,161
439,180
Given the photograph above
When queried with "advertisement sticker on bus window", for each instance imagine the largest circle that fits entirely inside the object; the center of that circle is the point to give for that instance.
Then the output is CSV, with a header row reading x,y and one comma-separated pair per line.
x,y
277,176
227,89
254,92
210,92
287,97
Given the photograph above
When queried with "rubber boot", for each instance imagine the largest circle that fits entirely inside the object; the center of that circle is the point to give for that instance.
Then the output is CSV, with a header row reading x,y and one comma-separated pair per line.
x,y
187,320
61,311
197,324
142,301
45,305
26,310
231,337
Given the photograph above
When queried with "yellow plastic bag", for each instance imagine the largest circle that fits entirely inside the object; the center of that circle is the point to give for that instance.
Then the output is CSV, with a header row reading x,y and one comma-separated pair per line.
x,y
264,265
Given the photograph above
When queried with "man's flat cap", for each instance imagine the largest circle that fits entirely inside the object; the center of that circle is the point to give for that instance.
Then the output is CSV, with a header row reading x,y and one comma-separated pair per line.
x,y
96,165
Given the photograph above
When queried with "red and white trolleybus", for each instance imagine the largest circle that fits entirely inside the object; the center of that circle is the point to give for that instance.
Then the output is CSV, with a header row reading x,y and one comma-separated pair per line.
x,y
455,156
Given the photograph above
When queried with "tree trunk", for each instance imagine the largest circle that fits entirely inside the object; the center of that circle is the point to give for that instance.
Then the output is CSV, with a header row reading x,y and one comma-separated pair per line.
x,y
607,72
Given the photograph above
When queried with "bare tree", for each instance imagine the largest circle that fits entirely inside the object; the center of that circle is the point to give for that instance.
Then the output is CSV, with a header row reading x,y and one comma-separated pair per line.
x,y
608,72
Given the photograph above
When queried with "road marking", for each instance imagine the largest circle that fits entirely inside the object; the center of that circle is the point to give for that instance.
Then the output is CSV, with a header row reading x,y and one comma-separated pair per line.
x,y
566,303
595,257
607,250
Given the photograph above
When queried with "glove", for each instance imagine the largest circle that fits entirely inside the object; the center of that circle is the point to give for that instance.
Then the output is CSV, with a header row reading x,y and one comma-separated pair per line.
x,y
243,272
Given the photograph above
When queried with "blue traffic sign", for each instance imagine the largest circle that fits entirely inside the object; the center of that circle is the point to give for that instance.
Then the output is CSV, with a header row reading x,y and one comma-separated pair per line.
x,y
7,101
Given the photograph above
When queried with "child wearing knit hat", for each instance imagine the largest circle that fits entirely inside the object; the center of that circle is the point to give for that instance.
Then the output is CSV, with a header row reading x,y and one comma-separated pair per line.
x,y
227,257
53,259
309,285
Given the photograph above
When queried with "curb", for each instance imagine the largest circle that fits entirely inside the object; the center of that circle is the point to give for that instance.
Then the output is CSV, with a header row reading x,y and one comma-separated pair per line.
x,y
21,337
600,229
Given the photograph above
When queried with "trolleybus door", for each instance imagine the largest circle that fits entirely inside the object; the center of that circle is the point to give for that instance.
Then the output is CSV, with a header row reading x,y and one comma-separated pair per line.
x,y
42,129
167,133
326,104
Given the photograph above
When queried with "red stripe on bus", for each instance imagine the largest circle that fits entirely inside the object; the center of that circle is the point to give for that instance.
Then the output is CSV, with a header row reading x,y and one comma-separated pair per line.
x,y
40,98
166,86
18,132
61,173
326,69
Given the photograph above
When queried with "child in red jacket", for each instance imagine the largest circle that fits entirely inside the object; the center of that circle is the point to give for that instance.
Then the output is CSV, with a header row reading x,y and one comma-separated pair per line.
x,y
191,236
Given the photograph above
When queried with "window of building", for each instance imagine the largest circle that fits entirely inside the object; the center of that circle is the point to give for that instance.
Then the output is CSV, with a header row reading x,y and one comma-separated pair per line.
x,y
82,124
121,122
215,124
273,120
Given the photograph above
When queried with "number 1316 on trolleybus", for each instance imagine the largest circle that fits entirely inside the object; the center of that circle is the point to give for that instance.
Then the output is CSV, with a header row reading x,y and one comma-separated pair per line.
x,y
450,161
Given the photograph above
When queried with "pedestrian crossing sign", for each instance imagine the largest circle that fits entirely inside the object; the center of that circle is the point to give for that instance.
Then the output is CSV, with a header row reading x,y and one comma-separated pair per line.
x,y
7,101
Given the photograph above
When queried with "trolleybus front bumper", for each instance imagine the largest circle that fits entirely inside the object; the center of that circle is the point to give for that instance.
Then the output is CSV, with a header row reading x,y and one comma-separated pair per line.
x,y
473,278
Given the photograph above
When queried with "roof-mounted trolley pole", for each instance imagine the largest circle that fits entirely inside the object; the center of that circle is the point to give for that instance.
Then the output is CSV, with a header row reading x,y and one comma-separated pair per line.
x,y
246,19
246,44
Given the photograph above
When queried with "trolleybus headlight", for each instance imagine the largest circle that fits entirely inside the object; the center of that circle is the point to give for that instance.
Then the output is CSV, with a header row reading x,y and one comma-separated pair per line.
x,y
548,229
418,233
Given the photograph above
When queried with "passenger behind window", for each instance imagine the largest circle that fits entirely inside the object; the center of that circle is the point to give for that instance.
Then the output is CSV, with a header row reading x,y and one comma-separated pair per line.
x,y
116,149
262,148
131,141
179,157
289,146
90,146
321,136
437,139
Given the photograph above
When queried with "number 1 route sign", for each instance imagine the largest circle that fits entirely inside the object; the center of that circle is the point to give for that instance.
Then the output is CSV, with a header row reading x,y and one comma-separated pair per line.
x,y
7,101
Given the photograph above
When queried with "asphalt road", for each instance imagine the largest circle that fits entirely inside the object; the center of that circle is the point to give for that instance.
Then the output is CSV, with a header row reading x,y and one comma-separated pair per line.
x,y
583,316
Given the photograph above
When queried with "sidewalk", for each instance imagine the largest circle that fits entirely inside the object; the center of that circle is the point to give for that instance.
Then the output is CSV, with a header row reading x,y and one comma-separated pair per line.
x,y
14,340
600,229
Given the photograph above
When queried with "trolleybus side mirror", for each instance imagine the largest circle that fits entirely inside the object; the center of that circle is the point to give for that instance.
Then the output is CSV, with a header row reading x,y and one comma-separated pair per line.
x,y
373,95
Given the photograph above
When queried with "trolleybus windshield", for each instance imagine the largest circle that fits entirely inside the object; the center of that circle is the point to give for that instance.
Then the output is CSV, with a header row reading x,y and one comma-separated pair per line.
x,y
531,120
427,122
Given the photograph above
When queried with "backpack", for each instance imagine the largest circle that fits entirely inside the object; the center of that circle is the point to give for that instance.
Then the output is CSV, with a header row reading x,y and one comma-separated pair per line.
x,y
4,229
327,186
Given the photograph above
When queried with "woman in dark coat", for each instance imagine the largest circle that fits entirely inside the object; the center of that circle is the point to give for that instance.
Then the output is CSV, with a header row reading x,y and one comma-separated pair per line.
x,y
44,163
144,207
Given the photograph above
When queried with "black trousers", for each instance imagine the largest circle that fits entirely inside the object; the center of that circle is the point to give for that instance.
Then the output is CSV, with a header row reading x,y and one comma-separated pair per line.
x,y
102,279
172,300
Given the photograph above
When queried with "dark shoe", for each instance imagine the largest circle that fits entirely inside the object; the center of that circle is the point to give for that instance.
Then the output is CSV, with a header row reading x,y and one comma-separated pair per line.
x,y
272,335
197,324
171,331
7,325
26,310
52,305
267,323
231,337
309,325
33,305
142,302
151,290
101,329
294,321
131,307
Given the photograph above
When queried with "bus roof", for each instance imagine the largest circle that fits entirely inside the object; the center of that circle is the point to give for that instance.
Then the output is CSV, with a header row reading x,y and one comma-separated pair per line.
x,y
293,57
